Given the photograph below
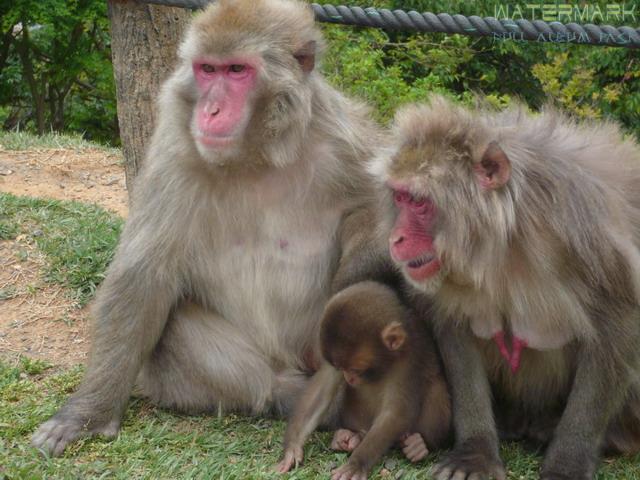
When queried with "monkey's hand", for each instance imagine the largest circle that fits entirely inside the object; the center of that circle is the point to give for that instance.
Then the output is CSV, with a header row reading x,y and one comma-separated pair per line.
x,y
55,434
577,463
292,458
345,440
413,447
471,460
349,471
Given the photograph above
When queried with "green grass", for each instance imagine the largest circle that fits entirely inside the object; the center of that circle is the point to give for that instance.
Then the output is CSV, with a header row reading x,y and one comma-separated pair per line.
x,y
24,140
157,444
77,239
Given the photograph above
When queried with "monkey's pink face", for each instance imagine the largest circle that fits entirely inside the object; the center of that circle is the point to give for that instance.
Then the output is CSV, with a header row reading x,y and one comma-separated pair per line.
x,y
411,242
222,111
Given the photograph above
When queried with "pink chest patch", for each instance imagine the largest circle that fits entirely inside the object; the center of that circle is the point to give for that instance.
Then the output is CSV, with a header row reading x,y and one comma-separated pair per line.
x,y
511,356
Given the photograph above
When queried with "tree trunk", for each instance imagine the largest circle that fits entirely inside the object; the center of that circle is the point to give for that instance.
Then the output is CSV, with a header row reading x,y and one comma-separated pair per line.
x,y
144,40
37,95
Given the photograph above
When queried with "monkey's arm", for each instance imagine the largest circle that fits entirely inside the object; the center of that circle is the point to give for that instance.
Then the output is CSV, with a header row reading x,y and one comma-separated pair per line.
x,y
476,439
310,409
364,254
131,310
599,390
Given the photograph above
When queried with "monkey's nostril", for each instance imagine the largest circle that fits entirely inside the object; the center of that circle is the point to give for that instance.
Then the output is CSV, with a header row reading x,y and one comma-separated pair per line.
x,y
397,240
215,112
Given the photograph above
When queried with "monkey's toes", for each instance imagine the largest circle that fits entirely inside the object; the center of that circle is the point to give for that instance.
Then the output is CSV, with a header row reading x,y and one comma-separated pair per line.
x,y
54,435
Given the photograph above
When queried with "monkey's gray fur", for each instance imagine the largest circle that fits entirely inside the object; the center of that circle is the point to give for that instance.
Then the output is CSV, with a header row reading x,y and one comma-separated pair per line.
x,y
552,256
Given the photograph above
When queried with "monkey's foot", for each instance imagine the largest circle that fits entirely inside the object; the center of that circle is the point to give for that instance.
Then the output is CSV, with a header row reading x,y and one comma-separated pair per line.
x,y
413,447
349,472
345,440
292,458
53,436
472,461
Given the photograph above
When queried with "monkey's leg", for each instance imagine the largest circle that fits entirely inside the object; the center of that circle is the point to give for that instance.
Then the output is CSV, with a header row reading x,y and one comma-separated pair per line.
x,y
623,435
319,400
131,310
204,362
475,454
600,386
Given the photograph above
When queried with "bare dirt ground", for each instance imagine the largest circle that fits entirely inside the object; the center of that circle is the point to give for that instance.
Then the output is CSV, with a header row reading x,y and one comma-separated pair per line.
x,y
38,319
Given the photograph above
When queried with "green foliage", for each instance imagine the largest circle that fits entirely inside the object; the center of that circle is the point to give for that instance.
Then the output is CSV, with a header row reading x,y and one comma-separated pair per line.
x,y
391,68
71,84
56,73
77,239
34,366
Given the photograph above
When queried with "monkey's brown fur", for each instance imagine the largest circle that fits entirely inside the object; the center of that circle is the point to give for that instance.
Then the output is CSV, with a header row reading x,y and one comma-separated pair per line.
x,y
401,389
215,293
552,255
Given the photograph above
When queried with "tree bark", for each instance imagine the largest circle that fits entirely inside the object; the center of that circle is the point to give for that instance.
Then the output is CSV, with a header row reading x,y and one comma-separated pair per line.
x,y
37,94
144,41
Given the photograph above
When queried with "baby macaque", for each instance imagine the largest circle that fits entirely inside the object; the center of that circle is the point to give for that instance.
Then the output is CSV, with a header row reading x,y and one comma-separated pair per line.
x,y
380,383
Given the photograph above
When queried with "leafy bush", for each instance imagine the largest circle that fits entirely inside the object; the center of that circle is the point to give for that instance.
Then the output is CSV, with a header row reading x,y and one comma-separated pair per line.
x,y
391,68
64,80
55,68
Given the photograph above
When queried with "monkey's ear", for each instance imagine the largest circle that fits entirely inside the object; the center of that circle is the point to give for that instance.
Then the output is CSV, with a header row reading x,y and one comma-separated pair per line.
x,y
306,56
494,169
393,336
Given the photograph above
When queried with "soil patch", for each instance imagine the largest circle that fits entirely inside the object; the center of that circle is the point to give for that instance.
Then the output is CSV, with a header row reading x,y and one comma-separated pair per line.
x,y
38,319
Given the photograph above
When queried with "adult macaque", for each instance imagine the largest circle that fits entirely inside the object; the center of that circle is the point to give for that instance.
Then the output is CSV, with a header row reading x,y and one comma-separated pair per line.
x,y
526,229
215,294
381,383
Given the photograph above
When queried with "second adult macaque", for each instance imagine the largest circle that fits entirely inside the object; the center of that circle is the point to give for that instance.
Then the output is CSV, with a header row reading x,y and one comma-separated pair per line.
x,y
526,230
381,383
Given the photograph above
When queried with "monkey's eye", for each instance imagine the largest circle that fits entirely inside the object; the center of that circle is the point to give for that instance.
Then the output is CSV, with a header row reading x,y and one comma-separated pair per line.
x,y
421,205
208,68
236,68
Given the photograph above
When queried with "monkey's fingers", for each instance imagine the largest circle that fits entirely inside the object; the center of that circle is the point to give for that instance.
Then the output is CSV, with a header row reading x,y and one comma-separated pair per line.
x,y
345,440
53,436
468,465
348,472
354,441
451,473
292,458
414,448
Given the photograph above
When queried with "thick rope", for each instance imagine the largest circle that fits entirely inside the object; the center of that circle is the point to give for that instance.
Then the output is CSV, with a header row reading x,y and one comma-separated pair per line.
x,y
504,29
